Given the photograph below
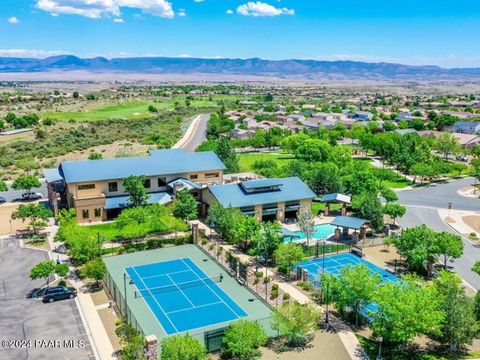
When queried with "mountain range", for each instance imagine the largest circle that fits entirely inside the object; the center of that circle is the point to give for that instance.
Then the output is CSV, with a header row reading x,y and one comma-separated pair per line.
x,y
286,69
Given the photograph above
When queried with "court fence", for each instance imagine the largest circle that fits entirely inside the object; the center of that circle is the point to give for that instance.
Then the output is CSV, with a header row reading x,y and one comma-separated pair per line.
x,y
249,274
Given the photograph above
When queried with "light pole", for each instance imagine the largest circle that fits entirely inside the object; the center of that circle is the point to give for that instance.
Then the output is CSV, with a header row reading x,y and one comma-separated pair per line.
x,y
125,292
327,324
379,356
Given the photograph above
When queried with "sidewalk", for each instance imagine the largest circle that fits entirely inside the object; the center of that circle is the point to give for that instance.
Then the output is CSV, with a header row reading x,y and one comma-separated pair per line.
x,y
94,328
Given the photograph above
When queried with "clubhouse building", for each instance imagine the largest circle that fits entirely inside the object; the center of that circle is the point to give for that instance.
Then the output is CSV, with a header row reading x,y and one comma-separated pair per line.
x,y
94,187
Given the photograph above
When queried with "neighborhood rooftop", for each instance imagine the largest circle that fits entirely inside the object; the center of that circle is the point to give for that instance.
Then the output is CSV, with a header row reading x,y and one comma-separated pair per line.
x,y
234,195
160,162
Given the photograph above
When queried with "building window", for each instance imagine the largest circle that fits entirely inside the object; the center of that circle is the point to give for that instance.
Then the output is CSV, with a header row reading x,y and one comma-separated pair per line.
x,y
147,184
211,175
85,214
193,176
98,212
86,186
162,182
112,186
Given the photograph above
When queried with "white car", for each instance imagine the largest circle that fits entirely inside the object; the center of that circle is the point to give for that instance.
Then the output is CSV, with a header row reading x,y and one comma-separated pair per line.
x,y
31,195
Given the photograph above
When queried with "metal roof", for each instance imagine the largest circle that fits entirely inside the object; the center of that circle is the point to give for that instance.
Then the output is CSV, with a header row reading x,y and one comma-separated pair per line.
x,y
234,195
255,184
52,175
160,162
336,197
348,222
118,202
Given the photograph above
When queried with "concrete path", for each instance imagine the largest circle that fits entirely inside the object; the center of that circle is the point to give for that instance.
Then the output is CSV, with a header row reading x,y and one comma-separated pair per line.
x,y
194,135
95,330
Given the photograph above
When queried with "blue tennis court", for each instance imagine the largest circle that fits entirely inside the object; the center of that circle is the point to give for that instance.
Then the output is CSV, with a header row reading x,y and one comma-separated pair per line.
x,y
181,296
335,263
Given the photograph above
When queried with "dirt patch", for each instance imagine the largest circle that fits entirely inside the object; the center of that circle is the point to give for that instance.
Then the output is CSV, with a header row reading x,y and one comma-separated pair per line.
x,y
8,226
473,221
383,256
109,319
116,149
324,345
99,297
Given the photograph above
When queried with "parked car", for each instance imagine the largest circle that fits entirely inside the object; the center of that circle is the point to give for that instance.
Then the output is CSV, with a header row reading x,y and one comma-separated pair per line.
x,y
36,293
31,195
462,158
3,199
58,293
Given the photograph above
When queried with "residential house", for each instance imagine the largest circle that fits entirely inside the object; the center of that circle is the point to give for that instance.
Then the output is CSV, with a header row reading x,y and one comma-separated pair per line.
x,y
467,141
266,199
242,134
466,127
94,188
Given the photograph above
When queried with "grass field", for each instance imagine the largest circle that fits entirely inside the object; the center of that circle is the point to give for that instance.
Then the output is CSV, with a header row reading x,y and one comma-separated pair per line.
x,y
134,109
245,161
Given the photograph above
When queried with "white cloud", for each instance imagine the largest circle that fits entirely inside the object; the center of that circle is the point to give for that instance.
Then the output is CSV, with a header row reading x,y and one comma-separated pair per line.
x,y
118,20
96,9
259,8
182,12
30,53
13,20
229,11
199,1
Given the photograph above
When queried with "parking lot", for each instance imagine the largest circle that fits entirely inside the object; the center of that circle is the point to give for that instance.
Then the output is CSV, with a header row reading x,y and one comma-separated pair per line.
x,y
29,328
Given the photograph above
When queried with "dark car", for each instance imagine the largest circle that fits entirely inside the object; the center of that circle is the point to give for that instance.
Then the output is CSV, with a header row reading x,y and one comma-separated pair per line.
x,y
36,293
3,199
58,293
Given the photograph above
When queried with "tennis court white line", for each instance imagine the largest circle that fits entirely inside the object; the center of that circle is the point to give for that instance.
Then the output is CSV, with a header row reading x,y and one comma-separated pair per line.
x,y
184,295
164,313
175,272
238,316
195,307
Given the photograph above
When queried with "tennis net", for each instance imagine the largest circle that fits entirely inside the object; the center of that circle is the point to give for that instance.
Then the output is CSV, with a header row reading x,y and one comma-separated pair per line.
x,y
178,286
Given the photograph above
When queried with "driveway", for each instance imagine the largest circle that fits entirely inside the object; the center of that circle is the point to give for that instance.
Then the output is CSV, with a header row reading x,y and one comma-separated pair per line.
x,y
422,205
16,195
49,331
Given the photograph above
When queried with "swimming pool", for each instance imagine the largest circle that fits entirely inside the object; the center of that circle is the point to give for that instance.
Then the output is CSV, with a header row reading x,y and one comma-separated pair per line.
x,y
322,231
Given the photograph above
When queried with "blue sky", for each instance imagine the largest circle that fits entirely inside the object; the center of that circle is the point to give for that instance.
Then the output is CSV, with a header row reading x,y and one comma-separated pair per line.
x,y
443,32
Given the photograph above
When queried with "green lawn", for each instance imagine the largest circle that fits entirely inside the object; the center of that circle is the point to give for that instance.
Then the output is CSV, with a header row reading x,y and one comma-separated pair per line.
x,y
317,207
245,161
134,109
128,110
106,231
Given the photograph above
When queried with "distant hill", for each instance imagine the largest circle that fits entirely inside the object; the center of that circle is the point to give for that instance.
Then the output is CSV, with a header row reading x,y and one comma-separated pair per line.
x,y
288,69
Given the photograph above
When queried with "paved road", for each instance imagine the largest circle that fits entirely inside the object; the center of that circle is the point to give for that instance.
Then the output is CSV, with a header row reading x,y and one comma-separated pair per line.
x,y
198,136
422,207
16,195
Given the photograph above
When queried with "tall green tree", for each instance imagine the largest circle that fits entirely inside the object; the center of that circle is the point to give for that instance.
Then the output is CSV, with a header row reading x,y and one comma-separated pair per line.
x,y
306,224
449,247
419,247
227,154
287,256
295,321
355,288
368,206
45,269
37,214
94,269
459,326
447,144
182,347
406,309
135,187
185,205
270,239
394,210
26,182
242,340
